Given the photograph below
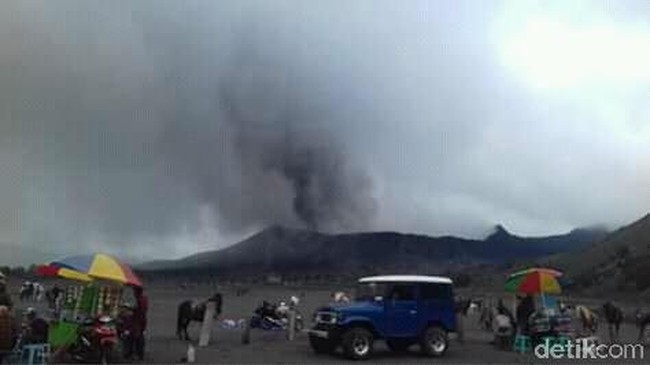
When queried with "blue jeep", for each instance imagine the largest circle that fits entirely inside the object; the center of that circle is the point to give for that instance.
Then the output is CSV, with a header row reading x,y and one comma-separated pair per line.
x,y
401,309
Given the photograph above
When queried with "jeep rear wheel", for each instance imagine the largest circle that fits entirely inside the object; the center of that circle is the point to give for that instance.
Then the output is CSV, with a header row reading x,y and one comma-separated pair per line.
x,y
434,341
398,345
358,343
322,345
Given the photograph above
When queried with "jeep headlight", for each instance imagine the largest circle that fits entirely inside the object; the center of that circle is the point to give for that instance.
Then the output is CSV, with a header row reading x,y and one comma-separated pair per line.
x,y
329,317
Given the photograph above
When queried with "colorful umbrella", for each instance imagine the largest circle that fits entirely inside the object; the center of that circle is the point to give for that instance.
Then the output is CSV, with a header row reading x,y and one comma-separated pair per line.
x,y
100,266
55,271
534,281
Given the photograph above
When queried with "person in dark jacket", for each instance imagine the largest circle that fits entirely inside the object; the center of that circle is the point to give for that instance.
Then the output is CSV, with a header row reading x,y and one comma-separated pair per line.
x,y
5,298
125,326
8,332
37,328
140,321
525,308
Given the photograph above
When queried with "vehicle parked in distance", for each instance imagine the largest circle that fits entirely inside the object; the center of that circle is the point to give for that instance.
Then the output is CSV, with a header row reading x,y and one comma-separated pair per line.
x,y
403,310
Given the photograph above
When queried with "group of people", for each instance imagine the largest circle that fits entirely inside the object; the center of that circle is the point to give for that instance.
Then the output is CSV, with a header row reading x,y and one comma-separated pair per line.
x,y
32,328
527,320
29,329
31,291
553,320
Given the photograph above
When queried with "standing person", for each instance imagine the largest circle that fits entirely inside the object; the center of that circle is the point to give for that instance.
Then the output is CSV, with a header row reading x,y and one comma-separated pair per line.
x,y
125,329
461,307
5,298
503,330
37,328
53,296
7,332
502,309
140,320
524,310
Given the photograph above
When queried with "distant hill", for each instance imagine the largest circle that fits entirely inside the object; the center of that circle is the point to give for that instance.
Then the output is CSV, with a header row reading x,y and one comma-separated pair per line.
x,y
620,261
289,251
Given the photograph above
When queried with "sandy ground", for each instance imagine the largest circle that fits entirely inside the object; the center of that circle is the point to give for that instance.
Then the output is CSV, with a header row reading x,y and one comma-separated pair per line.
x,y
272,347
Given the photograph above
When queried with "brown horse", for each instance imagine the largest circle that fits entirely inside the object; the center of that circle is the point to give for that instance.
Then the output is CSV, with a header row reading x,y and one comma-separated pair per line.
x,y
189,311
642,321
614,316
588,318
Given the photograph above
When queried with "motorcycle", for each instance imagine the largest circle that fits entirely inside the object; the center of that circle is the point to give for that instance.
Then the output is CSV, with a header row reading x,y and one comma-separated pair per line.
x,y
275,317
97,341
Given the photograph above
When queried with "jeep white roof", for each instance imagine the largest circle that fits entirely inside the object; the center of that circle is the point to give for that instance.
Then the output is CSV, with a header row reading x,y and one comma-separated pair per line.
x,y
406,278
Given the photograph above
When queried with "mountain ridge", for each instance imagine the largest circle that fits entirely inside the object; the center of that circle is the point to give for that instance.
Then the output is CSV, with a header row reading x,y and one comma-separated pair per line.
x,y
619,261
290,250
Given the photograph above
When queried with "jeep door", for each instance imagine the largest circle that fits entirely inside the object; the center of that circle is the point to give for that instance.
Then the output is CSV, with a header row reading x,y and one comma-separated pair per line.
x,y
401,310
437,305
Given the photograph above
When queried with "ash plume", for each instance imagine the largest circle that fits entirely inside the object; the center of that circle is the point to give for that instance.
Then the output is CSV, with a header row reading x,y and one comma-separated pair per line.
x,y
278,130
270,151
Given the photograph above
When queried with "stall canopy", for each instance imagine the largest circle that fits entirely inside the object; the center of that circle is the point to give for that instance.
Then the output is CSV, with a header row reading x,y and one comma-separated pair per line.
x,y
100,266
534,281
62,272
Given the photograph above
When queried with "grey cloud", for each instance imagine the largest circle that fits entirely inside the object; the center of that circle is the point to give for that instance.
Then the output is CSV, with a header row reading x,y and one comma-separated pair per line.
x,y
135,126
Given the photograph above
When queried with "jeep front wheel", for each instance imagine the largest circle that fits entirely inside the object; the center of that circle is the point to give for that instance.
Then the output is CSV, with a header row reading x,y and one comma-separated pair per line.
x,y
321,345
434,341
357,343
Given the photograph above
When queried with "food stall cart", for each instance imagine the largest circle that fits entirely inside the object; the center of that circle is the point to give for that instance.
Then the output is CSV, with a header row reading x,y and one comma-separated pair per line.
x,y
546,320
97,288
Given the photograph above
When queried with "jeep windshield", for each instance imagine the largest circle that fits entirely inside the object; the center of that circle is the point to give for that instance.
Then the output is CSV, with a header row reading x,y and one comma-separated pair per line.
x,y
369,291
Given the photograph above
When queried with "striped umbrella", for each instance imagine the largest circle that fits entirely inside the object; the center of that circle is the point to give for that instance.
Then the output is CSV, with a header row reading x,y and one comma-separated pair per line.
x,y
62,272
534,281
100,266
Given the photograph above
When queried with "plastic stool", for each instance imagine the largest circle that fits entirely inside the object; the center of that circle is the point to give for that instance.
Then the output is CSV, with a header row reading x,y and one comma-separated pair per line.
x,y
549,340
35,353
563,341
522,344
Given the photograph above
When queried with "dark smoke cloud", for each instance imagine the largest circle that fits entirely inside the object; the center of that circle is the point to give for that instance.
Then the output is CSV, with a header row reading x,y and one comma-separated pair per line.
x,y
266,154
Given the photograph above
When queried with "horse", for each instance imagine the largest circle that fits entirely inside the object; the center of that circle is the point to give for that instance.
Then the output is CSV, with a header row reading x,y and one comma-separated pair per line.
x,y
642,321
614,316
588,318
189,311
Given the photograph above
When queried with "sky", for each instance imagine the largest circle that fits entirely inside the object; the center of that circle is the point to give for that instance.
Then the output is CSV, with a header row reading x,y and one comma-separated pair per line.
x,y
155,129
